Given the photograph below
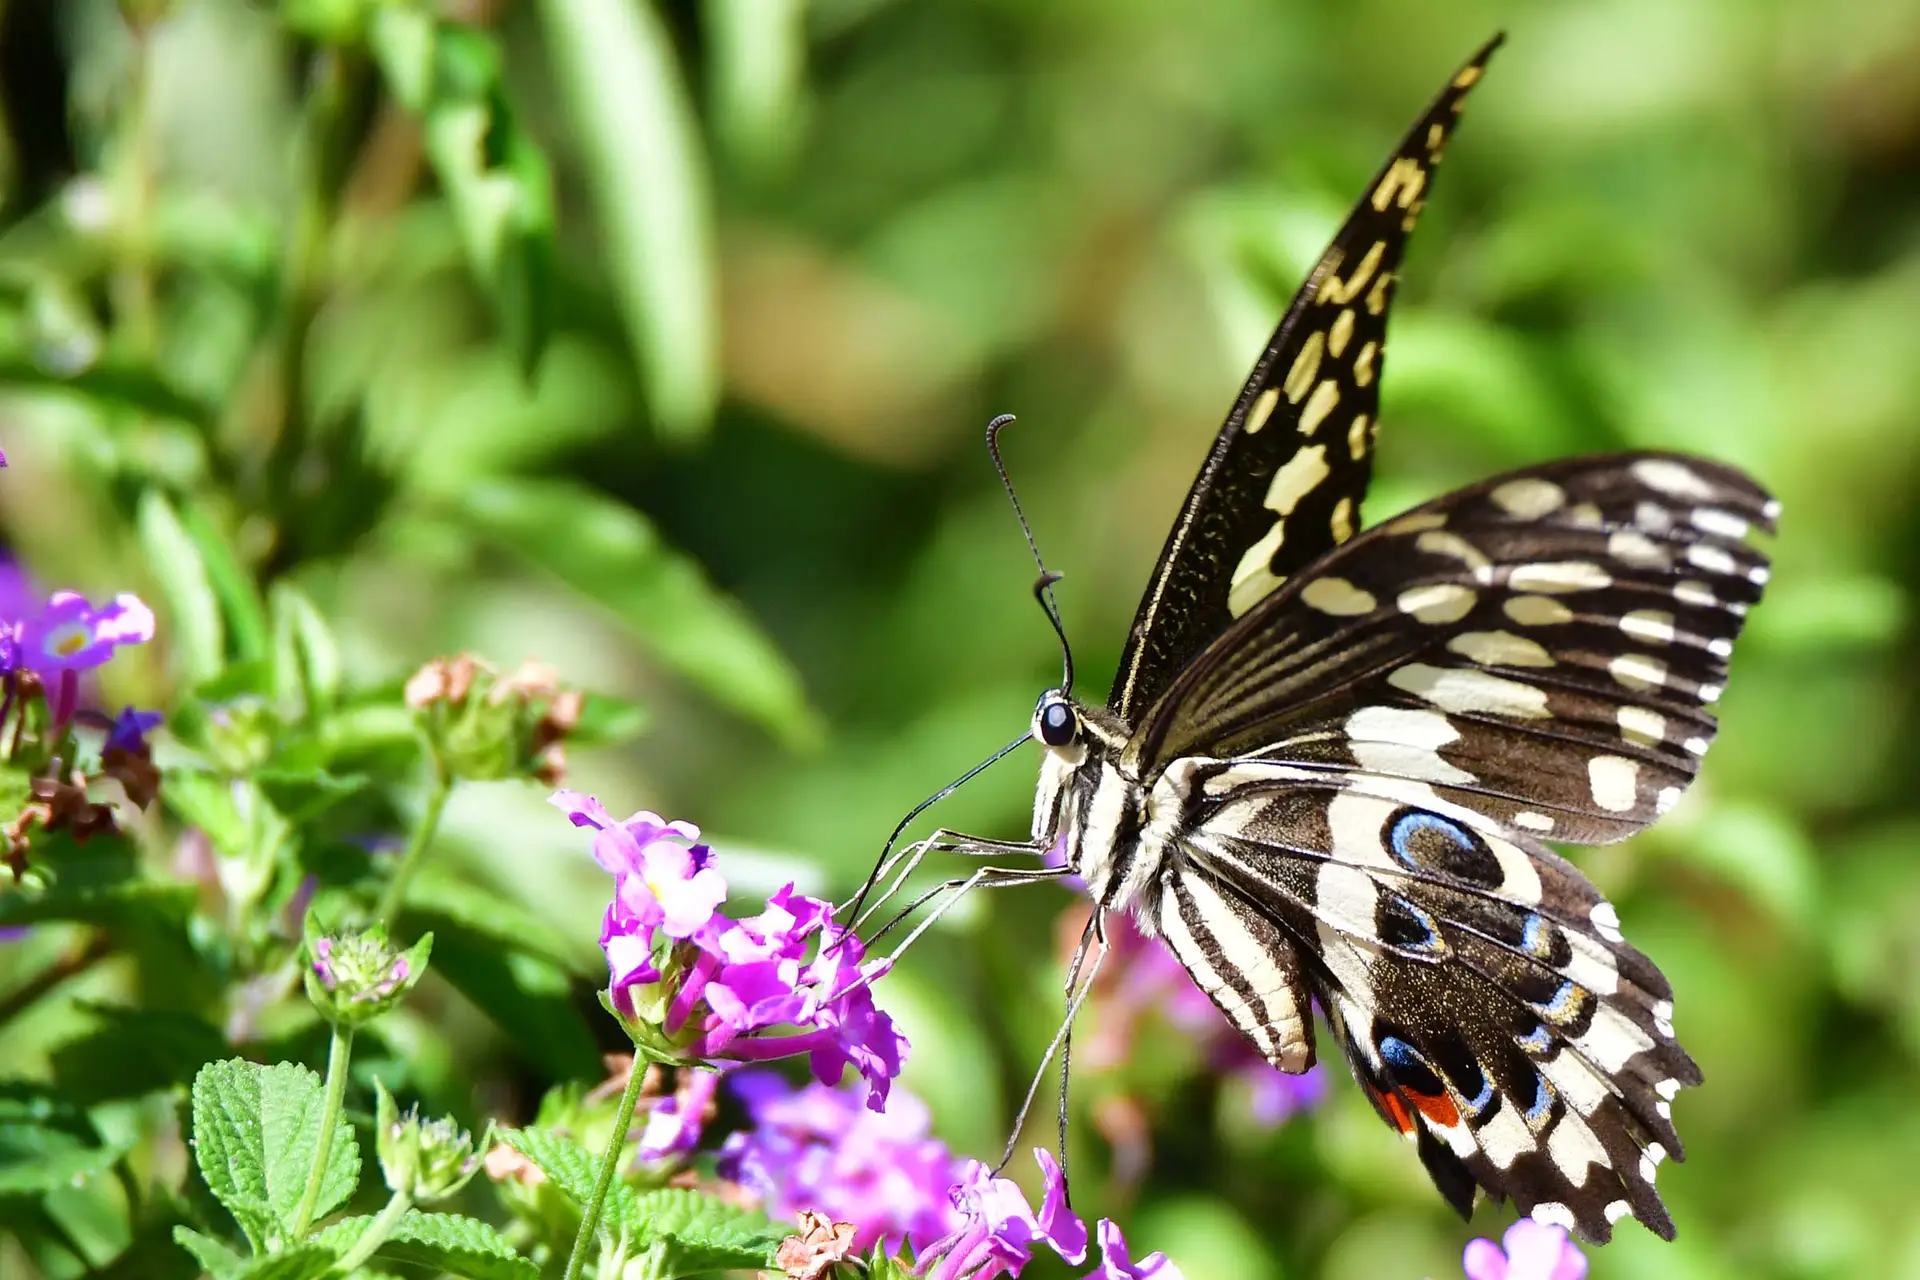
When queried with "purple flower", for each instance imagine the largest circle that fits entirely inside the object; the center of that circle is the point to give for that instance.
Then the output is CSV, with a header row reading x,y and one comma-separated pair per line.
x,y
999,1230
129,732
821,1149
1534,1251
69,634
715,987
675,1122
1116,1261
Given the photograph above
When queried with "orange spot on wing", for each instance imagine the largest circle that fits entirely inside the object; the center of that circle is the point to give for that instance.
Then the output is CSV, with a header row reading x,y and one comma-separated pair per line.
x,y
1439,1109
1396,1112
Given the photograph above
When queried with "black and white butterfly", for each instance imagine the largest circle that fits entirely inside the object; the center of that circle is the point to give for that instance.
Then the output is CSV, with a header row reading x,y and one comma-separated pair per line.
x,y
1331,757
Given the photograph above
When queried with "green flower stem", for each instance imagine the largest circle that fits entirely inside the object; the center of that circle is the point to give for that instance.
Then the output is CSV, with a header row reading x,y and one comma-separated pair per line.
x,y
375,1235
590,1220
338,1055
423,833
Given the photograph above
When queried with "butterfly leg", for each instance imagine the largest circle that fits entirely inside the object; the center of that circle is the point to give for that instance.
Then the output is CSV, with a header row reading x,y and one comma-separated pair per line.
x,y
908,859
984,878
1093,941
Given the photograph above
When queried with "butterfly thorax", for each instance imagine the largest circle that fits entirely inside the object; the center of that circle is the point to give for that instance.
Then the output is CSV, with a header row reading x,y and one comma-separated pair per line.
x,y
1090,805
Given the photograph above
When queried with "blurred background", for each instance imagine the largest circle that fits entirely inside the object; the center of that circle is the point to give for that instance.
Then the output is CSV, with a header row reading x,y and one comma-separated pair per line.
x,y
655,340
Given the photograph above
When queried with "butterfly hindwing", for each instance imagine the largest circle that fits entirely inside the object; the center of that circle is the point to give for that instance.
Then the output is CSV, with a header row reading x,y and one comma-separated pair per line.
x,y
1285,478
1543,647
1477,982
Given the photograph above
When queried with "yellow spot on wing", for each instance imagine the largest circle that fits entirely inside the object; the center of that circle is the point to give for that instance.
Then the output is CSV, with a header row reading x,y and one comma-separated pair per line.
x,y
1466,78
1254,577
1299,477
1363,364
1529,497
1377,297
1357,437
1438,602
1262,409
1341,331
1641,725
1306,366
1499,649
1342,523
1324,397
1337,596
1404,178
1340,294
1537,611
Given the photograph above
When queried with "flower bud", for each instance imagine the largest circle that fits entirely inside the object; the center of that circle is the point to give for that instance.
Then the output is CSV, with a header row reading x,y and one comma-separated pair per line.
x,y
358,976
424,1160
486,726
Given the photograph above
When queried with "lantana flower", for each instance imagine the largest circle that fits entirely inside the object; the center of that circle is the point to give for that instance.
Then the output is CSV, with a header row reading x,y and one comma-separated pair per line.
x,y
999,1230
1533,1251
821,1149
693,985
1116,1260
68,634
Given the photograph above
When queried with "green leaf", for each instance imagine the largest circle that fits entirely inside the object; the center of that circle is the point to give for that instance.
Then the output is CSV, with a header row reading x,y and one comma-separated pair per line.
x,y
135,1052
758,54
606,722
441,900
233,585
574,1170
219,1261
110,382
256,1130
703,1234
440,1242
307,1262
97,883
614,64
46,1143
306,658
529,998
195,625
205,800
609,553
301,795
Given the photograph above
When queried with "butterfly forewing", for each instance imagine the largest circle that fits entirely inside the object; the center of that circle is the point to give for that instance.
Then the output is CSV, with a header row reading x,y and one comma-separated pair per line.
x,y
1543,647
1287,473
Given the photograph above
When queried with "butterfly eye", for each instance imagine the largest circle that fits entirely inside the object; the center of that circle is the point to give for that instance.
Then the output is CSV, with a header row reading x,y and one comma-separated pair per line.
x,y
1058,723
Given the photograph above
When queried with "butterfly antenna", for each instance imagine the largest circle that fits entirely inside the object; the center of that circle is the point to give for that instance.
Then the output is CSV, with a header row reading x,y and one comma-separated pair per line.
x,y
1043,587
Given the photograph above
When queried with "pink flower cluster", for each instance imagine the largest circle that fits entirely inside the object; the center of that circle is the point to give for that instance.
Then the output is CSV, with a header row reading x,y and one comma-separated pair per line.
x,y
788,981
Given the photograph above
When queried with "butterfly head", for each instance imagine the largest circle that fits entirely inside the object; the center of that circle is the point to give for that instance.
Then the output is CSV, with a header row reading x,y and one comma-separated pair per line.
x,y
1055,721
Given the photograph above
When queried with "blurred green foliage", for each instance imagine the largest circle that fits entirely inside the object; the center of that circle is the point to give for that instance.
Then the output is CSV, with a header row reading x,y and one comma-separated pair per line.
x,y
655,340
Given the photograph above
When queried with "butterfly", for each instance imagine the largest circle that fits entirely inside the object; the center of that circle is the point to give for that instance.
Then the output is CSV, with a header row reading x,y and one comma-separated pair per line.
x,y
1331,757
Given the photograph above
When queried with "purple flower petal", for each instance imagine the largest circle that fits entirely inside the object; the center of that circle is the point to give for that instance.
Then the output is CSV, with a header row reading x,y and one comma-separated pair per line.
x,y
1116,1260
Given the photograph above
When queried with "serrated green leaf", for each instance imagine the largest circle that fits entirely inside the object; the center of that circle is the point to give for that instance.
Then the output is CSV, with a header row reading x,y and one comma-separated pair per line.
x,y
574,1170
194,622
616,69
440,1242
219,1261
306,1262
256,1130
700,1233
610,554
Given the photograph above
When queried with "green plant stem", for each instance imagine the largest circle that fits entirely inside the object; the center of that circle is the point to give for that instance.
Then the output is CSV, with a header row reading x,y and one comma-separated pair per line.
x,y
590,1219
423,833
338,1055
375,1235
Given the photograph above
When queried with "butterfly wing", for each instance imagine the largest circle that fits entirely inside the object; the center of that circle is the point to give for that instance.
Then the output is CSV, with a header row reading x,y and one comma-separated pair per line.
x,y
1542,648
1284,481
1477,983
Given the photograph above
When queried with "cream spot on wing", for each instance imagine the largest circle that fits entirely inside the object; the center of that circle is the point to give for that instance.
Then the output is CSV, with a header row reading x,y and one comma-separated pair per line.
x,y
1529,497
1720,647
1306,367
1338,597
1262,409
1697,746
1663,804
1616,1210
1630,546
1638,671
1254,577
1758,575
1724,524
1772,509
1652,517
1319,405
1341,524
1405,743
1638,724
1650,625
1552,1212
1690,591
1532,821
1536,611
1585,516
1300,476
1357,437
1559,575
1341,293
1500,649
1606,921
1363,364
1441,543
1671,477
1465,692
1417,522
1712,559
1614,781
1437,603
1708,693
1377,296
1340,334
